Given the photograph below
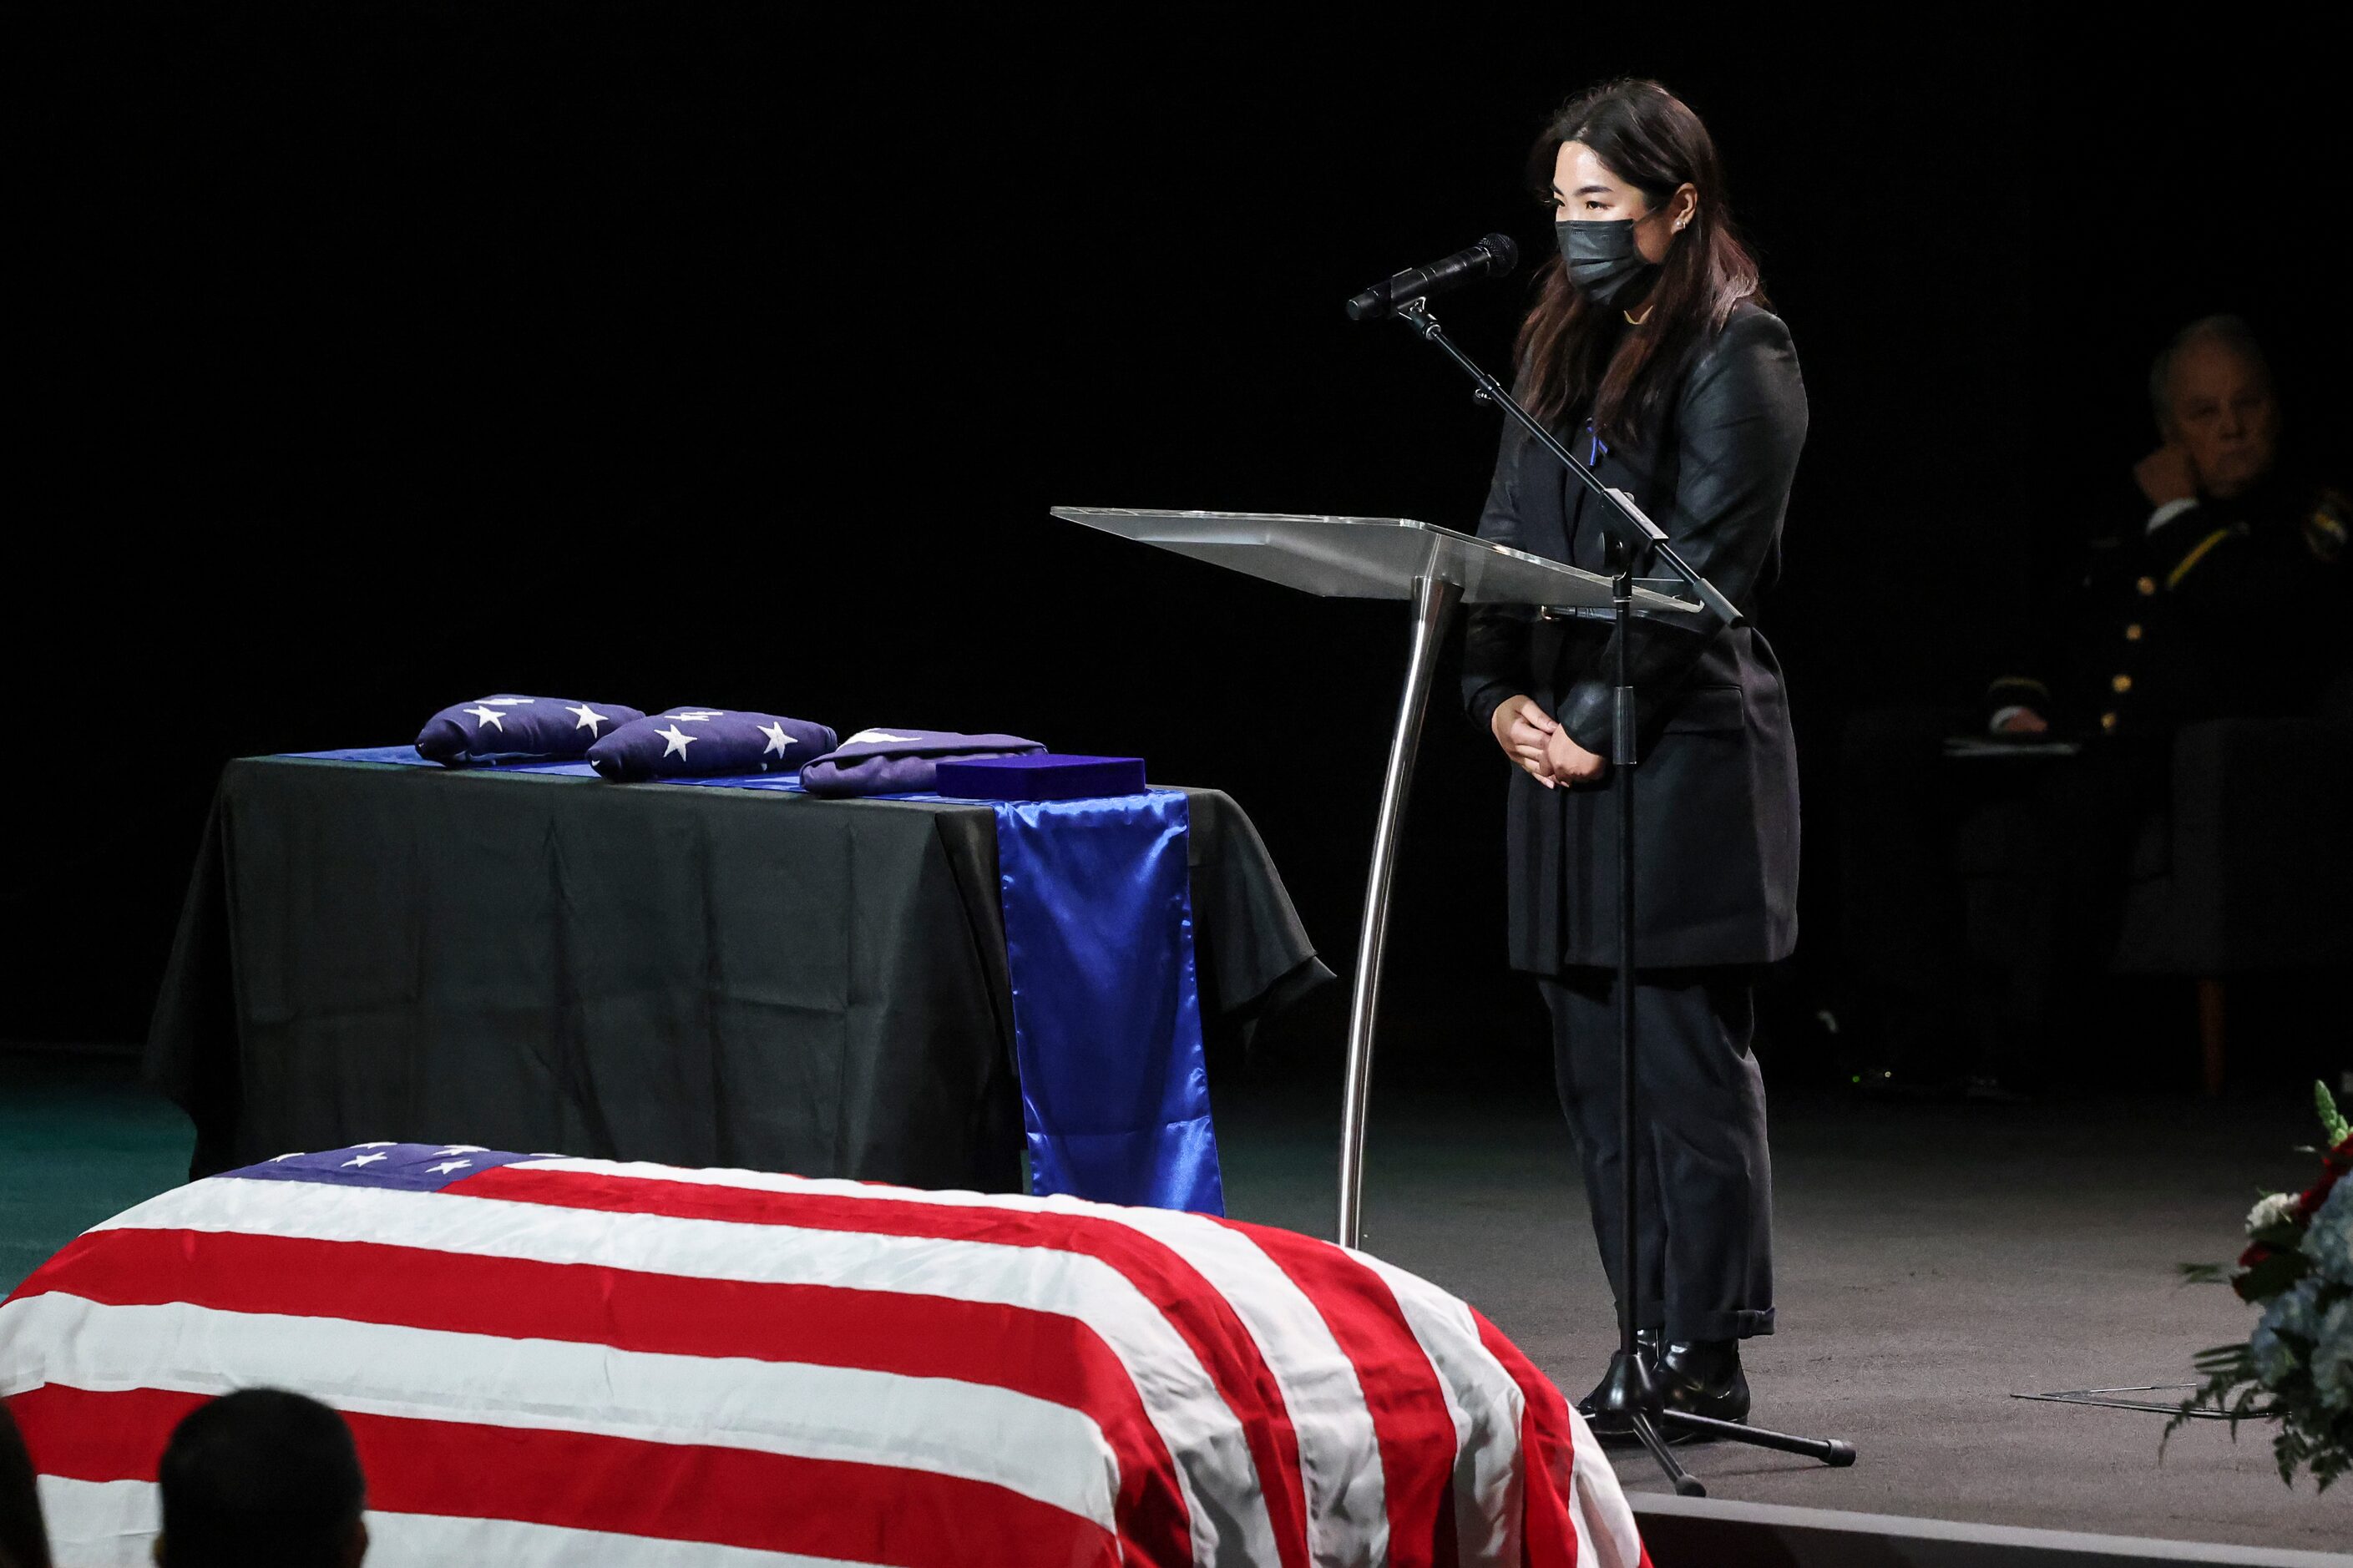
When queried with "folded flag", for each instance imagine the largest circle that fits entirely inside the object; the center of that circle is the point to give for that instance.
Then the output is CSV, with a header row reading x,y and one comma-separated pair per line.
x,y
708,742
508,728
901,762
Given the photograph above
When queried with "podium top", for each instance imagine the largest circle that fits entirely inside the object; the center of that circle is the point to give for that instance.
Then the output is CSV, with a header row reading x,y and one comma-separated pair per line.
x,y
1365,557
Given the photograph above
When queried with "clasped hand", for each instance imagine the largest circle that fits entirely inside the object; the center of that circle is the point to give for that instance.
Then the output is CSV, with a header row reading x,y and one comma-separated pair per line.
x,y
1534,740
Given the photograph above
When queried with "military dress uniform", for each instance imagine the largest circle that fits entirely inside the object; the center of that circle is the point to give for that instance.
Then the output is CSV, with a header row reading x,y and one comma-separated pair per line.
x,y
1973,890
2211,610
1715,842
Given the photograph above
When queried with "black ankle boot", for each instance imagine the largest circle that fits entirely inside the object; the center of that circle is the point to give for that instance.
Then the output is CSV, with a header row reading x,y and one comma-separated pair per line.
x,y
1612,1428
1704,1377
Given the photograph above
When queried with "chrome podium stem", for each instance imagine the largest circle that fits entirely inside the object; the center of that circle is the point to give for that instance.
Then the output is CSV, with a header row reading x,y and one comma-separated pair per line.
x,y
1433,604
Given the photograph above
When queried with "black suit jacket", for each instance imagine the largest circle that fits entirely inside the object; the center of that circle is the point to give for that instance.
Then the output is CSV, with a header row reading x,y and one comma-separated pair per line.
x,y
1715,793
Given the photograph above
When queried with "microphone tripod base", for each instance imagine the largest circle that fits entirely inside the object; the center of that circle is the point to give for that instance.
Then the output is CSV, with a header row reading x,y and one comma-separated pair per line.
x,y
1632,1401
1830,1451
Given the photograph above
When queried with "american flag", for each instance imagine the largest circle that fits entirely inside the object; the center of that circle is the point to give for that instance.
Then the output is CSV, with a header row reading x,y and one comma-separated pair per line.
x,y
512,729
708,742
555,1360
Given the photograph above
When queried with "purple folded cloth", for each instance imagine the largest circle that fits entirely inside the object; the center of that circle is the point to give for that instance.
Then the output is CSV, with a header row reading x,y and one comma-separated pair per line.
x,y
901,762
706,743
508,729
1039,776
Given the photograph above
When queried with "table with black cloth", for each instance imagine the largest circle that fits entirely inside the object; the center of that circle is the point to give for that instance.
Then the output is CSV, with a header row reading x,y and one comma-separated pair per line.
x,y
699,976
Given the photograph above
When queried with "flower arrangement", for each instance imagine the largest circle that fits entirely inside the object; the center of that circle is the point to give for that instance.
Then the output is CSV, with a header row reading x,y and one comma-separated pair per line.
x,y
2297,1366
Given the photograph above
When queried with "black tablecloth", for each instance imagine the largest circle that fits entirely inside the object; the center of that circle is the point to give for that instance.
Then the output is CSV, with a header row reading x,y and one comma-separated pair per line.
x,y
697,976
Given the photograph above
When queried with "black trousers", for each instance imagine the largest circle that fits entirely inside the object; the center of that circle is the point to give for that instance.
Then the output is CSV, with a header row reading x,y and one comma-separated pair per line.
x,y
1704,1180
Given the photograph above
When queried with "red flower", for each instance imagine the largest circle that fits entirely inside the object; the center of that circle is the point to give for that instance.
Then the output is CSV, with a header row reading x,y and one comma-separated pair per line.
x,y
2333,1164
2244,1278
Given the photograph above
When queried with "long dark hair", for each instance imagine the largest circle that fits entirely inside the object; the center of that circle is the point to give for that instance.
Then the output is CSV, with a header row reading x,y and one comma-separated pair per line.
x,y
1575,357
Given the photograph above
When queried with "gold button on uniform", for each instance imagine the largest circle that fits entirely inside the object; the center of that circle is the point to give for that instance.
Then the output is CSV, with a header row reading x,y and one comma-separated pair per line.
x,y
2108,722
2120,683
2146,585
2132,632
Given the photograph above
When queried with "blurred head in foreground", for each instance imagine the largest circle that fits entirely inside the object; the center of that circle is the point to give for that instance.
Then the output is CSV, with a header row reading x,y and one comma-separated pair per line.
x,y
23,1542
261,1478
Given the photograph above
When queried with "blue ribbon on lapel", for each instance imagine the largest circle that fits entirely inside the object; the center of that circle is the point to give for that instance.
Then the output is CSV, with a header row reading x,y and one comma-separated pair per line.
x,y
1106,1003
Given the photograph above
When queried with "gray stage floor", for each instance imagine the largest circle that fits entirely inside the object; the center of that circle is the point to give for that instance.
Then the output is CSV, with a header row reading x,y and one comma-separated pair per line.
x,y
1932,1261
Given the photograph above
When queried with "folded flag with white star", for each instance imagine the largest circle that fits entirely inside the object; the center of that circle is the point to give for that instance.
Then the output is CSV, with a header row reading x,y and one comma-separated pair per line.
x,y
901,762
508,729
708,742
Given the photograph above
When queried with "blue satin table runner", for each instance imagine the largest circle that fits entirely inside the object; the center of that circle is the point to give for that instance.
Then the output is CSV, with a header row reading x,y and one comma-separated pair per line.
x,y
1097,901
1106,1001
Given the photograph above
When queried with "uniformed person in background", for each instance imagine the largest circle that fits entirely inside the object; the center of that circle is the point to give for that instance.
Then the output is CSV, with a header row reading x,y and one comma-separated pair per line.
x,y
2224,600
1984,897
2227,598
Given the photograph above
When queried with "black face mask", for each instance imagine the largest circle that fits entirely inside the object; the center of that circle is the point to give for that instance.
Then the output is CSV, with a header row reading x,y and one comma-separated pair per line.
x,y
1603,264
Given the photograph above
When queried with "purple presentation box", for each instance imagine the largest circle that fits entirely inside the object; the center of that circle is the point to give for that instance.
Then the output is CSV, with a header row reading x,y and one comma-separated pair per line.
x,y
1039,776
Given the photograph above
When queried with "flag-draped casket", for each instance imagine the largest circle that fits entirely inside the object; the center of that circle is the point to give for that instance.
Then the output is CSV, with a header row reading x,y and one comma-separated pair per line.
x,y
548,1360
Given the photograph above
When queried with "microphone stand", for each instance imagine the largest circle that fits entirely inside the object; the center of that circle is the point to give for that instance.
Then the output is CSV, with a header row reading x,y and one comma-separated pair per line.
x,y
1632,1394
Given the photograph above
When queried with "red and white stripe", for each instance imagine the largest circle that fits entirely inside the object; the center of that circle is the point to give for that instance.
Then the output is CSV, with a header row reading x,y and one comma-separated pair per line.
x,y
570,1360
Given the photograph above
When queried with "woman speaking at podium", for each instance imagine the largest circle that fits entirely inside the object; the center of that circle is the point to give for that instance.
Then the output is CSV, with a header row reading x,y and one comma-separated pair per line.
x,y
1650,352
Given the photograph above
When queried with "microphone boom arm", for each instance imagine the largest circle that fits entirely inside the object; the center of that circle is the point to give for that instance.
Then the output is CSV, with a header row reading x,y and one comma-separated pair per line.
x,y
1641,537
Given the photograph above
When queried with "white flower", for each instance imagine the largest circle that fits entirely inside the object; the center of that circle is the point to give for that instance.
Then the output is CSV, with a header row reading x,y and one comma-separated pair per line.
x,y
2329,1242
2295,1312
2332,1359
2271,1211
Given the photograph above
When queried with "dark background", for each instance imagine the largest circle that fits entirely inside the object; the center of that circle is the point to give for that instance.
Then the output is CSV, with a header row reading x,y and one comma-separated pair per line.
x,y
378,357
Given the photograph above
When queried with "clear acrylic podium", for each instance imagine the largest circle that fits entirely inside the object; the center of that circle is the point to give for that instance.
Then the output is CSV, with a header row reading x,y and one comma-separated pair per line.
x,y
1374,558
